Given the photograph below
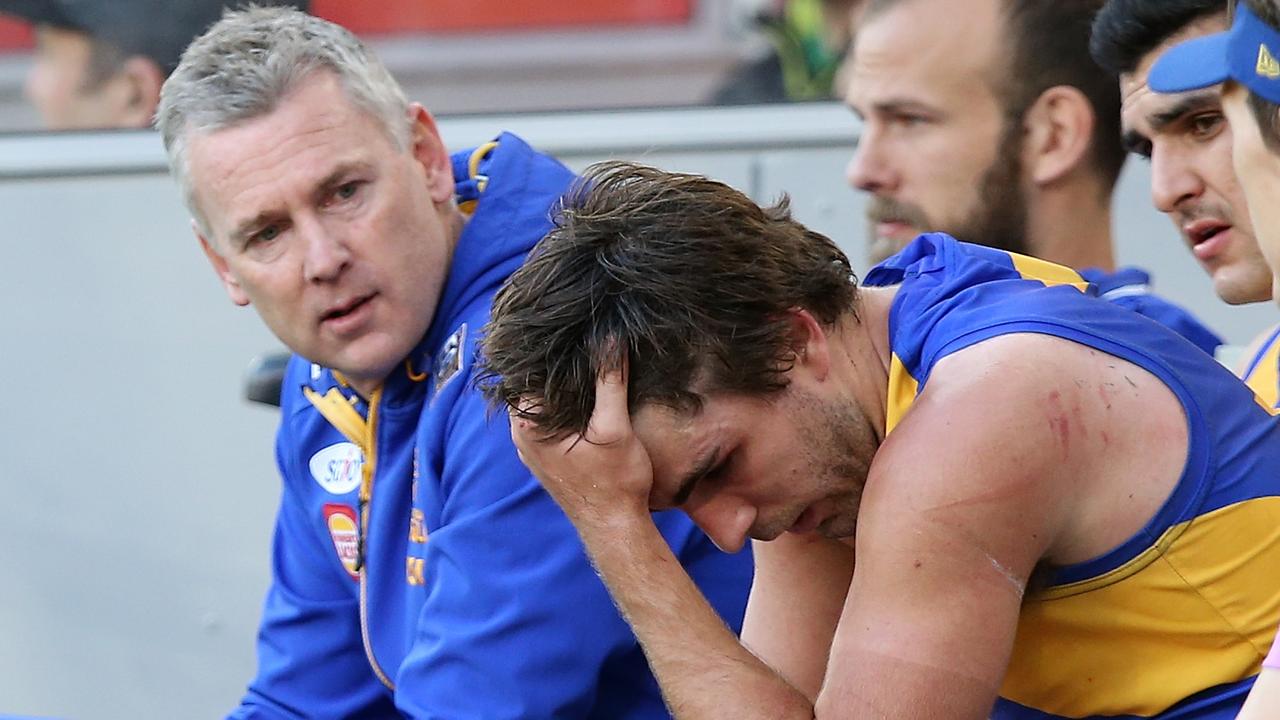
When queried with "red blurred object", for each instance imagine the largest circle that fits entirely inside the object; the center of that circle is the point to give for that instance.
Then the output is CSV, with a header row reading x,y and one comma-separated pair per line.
x,y
15,35
377,17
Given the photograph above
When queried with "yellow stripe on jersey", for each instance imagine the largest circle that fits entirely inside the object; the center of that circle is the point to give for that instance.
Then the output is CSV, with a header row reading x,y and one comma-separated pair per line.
x,y
1047,272
1160,628
902,392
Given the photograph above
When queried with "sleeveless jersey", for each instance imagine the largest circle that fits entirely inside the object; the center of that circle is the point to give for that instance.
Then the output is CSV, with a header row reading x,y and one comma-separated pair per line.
x,y
1175,622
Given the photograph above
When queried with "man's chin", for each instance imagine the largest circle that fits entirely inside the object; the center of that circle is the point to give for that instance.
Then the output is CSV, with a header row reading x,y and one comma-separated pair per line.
x,y
883,247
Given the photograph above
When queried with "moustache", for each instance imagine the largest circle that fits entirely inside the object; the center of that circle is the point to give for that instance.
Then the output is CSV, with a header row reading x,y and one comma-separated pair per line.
x,y
883,209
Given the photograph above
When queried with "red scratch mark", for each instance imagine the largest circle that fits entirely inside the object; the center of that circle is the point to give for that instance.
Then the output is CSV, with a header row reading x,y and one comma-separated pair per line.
x,y
1059,422
1106,396
1061,426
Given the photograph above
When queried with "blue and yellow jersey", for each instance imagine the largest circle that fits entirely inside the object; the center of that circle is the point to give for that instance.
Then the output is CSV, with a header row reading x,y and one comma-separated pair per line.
x,y
1176,621
1262,372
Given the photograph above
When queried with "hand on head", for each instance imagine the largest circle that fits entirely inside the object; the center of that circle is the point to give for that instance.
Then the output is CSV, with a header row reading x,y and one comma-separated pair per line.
x,y
602,474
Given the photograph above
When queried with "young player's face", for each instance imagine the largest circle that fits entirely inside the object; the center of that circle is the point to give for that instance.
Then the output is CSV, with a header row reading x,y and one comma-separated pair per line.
x,y
1259,172
936,150
338,237
1188,141
756,467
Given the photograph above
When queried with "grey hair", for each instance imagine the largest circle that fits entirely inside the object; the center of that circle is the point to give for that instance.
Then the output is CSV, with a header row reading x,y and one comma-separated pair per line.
x,y
250,61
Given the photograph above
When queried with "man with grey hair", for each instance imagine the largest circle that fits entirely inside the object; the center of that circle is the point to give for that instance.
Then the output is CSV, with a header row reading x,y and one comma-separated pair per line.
x,y
418,569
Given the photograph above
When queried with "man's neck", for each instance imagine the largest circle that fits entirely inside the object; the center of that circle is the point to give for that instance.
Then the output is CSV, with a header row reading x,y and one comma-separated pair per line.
x,y
865,342
1070,224
365,387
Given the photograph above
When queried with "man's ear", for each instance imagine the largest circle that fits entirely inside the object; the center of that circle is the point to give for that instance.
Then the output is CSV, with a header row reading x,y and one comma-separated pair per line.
x,y
138,93
1059,132
429,150
810,342
219,263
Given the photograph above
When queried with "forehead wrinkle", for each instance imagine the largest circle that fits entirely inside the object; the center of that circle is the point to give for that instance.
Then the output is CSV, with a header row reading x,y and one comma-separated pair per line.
x,y
256,185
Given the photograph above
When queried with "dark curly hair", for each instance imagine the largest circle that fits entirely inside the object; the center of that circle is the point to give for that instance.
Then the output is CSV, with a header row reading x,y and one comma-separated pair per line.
x,y
685,275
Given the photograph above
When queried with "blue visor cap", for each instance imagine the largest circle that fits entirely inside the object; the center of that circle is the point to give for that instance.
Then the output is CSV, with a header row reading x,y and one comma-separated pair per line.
x,y
1248,53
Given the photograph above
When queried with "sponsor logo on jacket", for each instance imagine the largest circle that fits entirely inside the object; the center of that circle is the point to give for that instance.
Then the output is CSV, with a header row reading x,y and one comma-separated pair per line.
x,y
337,467
341,521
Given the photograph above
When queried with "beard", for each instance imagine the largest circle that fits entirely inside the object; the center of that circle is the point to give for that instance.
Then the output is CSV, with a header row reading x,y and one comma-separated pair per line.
x,y
835,459
998,217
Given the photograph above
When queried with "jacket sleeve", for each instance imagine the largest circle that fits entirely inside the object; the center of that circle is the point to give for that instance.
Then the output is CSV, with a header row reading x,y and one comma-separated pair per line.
x,y
311,660
512,605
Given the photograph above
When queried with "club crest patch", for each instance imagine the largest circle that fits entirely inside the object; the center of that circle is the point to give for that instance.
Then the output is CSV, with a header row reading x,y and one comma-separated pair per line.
x,y
337,467
449,361
341,521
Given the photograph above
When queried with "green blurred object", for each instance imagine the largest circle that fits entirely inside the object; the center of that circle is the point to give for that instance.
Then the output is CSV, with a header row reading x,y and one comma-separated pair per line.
x,y
799,38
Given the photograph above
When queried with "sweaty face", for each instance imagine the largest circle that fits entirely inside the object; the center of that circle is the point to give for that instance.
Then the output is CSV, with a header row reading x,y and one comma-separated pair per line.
x,y
1188,142
756,467
937,151
59,86
1259,173
340,239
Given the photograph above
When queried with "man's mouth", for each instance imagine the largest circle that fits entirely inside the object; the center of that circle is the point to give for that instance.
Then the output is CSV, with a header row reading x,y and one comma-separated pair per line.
x,y
345,309
1206,236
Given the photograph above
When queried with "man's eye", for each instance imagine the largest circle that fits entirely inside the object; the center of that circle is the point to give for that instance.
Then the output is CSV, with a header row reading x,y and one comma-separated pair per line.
x,y
266,234
1207,125
346,191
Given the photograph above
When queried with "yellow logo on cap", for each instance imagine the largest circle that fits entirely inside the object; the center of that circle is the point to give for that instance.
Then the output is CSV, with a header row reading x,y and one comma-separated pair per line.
x,y
1267,67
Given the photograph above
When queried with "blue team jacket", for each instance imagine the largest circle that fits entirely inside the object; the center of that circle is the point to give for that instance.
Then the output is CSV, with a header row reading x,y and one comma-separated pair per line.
x,y
467,595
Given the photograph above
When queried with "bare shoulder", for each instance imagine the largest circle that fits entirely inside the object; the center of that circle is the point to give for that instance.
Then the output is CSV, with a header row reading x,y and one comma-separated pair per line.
x,y
1044,432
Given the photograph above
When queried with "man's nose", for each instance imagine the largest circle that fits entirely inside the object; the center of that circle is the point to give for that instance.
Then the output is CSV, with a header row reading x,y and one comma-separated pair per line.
x,y
726,520
869,170
1173,180
326,254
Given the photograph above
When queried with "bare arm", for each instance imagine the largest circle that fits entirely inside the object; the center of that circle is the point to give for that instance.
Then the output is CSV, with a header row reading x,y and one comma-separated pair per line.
x,y
603,486
800,587
967,495
1264,698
